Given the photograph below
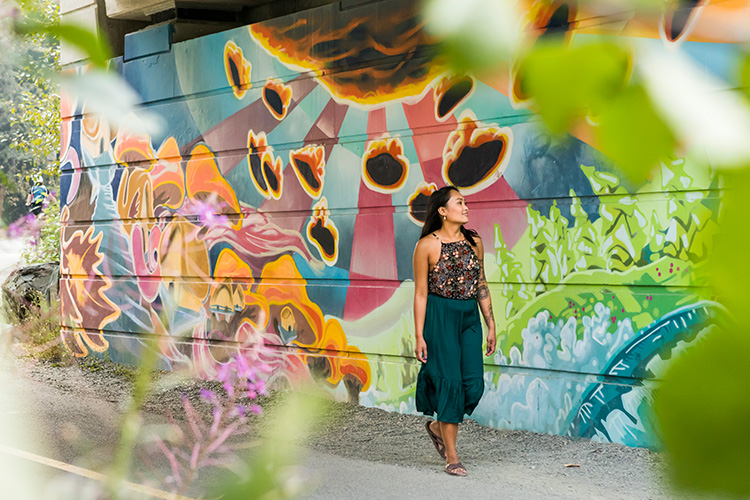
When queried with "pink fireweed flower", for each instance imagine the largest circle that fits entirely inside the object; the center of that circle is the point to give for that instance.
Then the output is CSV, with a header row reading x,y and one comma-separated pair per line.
x,y
206,440
26,226
208,395
244,370
208,211
14,230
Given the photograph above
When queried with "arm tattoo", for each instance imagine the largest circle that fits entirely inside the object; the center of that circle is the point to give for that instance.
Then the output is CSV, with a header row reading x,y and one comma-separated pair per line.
x,y
483,291
489,316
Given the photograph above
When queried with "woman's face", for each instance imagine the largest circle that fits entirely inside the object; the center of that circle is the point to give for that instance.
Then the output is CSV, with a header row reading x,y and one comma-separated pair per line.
x,y
456,210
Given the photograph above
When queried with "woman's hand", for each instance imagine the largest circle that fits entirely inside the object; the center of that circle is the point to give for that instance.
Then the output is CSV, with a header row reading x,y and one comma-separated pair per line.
x,y
491,342
421,350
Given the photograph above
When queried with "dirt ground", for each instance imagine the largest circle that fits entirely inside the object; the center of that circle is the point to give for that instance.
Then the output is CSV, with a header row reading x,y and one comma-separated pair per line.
x,y
533,465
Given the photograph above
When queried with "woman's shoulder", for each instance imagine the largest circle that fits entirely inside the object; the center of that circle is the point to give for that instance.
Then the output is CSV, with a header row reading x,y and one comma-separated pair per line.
x,y
428,241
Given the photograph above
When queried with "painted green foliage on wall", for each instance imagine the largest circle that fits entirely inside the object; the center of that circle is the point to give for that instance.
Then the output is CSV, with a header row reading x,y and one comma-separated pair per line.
x,y
626,246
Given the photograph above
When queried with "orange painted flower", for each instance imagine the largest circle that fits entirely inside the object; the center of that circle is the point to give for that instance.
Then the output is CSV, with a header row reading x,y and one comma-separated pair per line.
x,y
237,69
678,20
356,371
134,197
518,93
84,303
322,232
185,264
450,93
203,181
418,202
309,166
474,158
290,307
151,178
384,166
265,167
167,176
231,293
277,97
349,364
296,319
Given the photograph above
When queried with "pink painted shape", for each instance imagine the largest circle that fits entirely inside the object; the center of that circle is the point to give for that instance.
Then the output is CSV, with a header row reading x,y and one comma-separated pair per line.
x,y
373,263
431,170
373,256
485,212
376,123
365,295
373,245
430,136
293,199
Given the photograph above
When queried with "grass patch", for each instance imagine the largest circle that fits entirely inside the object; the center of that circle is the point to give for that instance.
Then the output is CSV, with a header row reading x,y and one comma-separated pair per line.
x,y
39,332
103,364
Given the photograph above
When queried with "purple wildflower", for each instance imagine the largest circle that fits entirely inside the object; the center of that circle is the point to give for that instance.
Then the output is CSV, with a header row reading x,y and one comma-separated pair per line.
x,y
14,230
208,211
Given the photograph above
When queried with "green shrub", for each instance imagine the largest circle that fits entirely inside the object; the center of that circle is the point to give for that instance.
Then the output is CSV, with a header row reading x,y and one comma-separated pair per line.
x,y
45,246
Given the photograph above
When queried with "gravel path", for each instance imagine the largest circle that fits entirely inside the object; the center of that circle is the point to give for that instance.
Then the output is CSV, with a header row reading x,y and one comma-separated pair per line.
x,y
357,452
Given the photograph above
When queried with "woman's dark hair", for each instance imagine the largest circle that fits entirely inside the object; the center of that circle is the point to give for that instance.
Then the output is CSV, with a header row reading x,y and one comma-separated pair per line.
x,y
433,221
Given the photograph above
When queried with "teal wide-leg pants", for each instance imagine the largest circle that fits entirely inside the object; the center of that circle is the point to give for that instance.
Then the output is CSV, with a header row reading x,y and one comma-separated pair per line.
x,y
451,383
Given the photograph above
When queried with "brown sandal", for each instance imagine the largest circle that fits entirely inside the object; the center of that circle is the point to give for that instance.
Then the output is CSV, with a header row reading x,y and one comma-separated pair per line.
x,y
453,469
436,440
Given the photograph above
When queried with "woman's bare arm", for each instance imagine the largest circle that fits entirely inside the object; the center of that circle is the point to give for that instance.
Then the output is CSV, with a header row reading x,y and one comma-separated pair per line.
x,y
485,301
421,265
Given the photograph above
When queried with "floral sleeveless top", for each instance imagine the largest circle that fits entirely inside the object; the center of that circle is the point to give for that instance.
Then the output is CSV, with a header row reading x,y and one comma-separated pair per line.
x,y
456,273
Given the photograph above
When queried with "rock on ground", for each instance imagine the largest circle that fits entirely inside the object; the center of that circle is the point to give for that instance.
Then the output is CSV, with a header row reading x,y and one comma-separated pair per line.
x,y
30,288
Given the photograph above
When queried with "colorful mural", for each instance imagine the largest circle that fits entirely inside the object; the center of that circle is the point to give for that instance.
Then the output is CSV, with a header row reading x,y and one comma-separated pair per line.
x,y
288,189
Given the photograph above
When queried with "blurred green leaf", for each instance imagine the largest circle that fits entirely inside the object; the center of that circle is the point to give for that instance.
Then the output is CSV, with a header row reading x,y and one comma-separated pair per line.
x,y
703,114
568,83
474,36
633,134
745,75
729,271
87,41
703,407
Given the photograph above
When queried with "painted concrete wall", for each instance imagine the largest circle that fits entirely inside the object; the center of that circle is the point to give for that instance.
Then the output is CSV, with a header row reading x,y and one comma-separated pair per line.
x,y
319,136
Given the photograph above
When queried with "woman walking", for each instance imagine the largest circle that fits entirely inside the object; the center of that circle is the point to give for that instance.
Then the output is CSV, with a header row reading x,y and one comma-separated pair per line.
x,y
449,280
